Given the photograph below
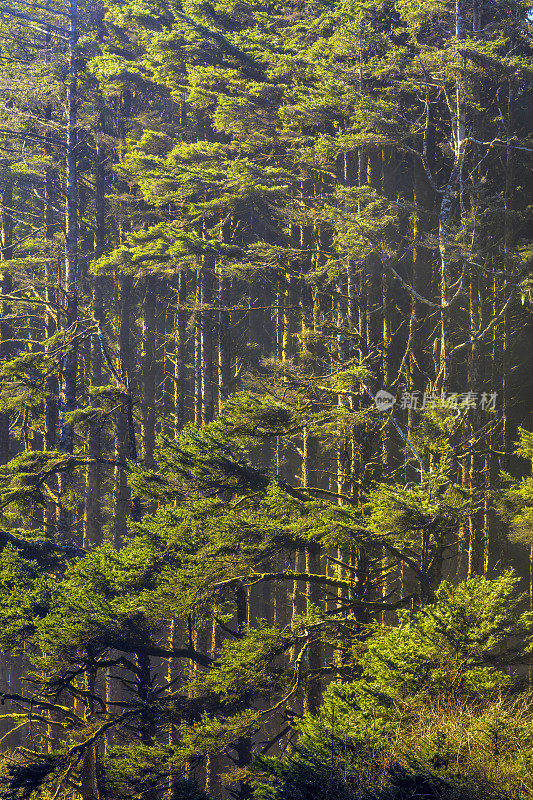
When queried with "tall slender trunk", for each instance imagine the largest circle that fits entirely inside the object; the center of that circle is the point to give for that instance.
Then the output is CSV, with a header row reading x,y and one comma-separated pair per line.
x,y
90,789
286,318
171,677
243,746
70,360
93,494
6,287
278,320
508,241
125,447
343,355
477,15
206,345
415,278
314,651
224,339
51,277
168,346
144,692
475,471
198,320
180,354
213,767
453,187
149,371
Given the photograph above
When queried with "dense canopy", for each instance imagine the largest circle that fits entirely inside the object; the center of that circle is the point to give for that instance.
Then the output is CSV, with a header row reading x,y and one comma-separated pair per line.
x,y
266,506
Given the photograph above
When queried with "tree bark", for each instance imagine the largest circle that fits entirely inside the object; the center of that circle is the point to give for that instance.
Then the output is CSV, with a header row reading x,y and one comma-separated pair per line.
x,y
206,345
149,371
453,187
6,287
93,494
198,321
224,340
70,361
180,354
124,447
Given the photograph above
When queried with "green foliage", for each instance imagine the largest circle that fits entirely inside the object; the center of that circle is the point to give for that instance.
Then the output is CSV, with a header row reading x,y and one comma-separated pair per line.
x,y
276,174
430,712
26,596
28,778
25,479
451,646
134,769
420,521
243,668
515,500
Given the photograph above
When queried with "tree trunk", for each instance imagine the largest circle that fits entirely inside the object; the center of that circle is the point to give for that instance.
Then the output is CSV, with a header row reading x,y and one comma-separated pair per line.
x,y
90,789
93,494
314,652
149,371
454,186
475,471
51,277
206,345
243,746
6,287
198,321
122,441
180,354
70,360
144,692
224,340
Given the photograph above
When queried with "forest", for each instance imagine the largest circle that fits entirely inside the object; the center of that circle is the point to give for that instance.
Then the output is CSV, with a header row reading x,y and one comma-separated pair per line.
x,y
266,418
